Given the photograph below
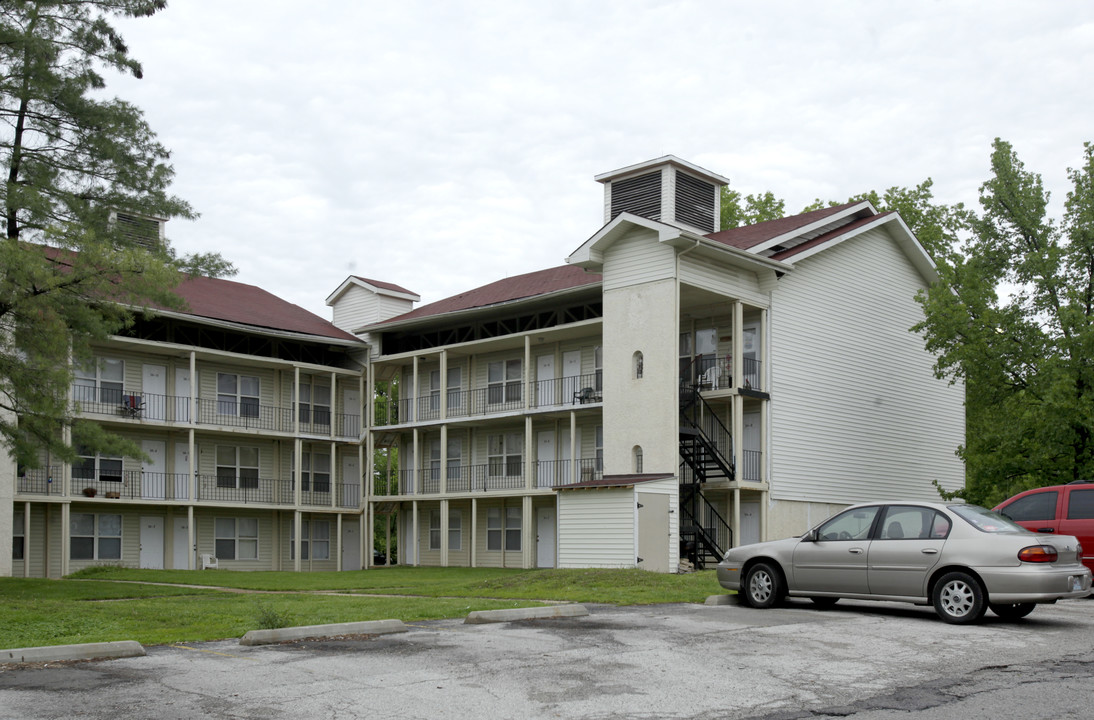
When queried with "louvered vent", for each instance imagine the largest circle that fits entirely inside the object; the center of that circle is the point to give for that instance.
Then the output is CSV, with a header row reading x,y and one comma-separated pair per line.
x,y
138,230
638,195
695,202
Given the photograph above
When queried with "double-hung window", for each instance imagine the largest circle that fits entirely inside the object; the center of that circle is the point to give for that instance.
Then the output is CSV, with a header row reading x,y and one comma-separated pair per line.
x,y
455,394
314,402
434,529
101,380
504,454
237,467
93,466
314,540
510,530
503,382
95,536
455,529
315,472
18,537
237,395
236,538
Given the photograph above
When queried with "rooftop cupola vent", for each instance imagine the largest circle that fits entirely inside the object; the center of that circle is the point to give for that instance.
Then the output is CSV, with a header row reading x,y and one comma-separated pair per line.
x,y
147,232
667,189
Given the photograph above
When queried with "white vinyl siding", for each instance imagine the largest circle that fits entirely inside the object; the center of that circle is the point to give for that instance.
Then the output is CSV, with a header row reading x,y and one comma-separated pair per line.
x,y
596,528
637,258
860,415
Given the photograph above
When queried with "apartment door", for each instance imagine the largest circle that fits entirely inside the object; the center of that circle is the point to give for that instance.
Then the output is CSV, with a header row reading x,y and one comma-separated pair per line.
x,y
351,411
152,543
154,389
182,471
546,392
351,546
351,481
154,470
750,523
653,532
571,374
180,544
182,394
546,464
545,537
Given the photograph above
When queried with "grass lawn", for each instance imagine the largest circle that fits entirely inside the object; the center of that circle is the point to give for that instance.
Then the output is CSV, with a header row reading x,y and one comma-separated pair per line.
x,y
90,606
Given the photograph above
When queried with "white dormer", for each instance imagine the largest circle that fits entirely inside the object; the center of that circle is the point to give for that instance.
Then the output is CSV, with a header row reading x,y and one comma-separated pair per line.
x,y
359,301
667,189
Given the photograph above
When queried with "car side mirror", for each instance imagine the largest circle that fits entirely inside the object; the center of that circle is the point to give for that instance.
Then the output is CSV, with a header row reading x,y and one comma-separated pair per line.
x,y
810,536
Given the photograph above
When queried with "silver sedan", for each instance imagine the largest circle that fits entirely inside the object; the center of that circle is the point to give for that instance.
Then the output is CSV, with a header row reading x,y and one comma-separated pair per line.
x,y
962,559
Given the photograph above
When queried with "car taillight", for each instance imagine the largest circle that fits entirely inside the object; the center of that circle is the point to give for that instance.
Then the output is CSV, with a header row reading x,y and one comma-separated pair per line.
x,y
1038,554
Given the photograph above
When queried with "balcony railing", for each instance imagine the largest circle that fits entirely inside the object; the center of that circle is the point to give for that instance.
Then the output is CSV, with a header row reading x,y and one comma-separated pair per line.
x,y
231,413
477,402
711,372
40,481
224,488
487,477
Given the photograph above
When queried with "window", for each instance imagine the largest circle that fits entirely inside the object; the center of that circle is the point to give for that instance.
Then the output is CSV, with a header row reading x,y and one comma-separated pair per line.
x,y
504,455
314,402
512,528
455,530
100,380
18,537
239,395
434,392
434,529
599,448
95,537
1080,505
455,457
637,454
1032,508
314,540
315,472
503,382
455,383
237,467
493,528
848,525
638,365
236,538
598,368
903,522
93,466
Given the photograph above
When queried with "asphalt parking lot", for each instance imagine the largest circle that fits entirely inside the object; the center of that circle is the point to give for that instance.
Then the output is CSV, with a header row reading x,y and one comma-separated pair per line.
x,y
665,661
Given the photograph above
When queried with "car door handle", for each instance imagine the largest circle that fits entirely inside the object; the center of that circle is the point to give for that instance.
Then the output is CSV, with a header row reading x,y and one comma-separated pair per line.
x,y
929,551
855,551
1046,530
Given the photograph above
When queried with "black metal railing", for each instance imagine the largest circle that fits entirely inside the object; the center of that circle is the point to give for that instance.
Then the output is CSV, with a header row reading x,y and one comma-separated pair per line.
x,y
715,372
222,488
39,481
704,534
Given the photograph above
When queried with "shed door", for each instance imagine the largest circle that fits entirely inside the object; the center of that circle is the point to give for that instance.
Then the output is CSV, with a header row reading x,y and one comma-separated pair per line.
x,y
653,532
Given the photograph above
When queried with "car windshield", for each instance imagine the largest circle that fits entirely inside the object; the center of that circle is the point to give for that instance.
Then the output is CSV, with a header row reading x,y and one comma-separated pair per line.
x,y
985,520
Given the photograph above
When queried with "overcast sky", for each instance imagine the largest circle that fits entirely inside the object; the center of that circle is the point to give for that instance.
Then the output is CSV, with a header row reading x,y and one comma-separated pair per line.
x,y
442,145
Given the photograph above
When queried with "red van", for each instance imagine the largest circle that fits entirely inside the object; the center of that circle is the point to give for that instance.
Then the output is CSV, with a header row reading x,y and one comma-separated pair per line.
x,y
1061,509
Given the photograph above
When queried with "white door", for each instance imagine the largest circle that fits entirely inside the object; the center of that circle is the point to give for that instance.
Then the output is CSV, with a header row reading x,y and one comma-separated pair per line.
x,y
182,471
154,473
182,394
351,481
545,537
351,546
351,411
571,374
751,448
154,389
180,544
750,339
152,542
546,392
750,523
546,465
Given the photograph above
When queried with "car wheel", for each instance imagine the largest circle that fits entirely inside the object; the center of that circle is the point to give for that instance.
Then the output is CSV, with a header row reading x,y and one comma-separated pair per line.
x,y
958,598
763,586
1012,611
824,602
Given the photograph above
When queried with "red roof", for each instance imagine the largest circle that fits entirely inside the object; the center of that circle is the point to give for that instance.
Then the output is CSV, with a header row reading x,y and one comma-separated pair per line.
x,y
517,287
748,236
385,285
236,302
822,239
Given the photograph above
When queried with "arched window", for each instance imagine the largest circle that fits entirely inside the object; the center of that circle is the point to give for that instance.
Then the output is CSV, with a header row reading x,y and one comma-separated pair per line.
x,y
637,364
637,452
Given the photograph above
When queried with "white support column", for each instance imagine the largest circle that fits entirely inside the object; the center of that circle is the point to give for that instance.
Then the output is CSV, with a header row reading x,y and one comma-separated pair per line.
x,y
368,541
66,538
333,405
335,472
297,517
444,459
736,516
412,397
444,533
528,541
738,343
338,543
193,388
444,384
412,541
526,372
474,532
191,536
529,456
575,471
26,539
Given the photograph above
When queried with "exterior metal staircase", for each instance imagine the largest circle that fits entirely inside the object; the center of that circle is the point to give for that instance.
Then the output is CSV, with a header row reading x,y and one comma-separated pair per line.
x,y
704,533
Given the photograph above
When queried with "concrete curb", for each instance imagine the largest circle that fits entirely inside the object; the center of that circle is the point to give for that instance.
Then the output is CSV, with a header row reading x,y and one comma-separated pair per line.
x,y
276,635
534,613
85,651
721,600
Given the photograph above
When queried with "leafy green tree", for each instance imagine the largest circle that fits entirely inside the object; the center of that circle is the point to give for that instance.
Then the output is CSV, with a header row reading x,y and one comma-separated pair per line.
x,y
749,210
75,161
1014,318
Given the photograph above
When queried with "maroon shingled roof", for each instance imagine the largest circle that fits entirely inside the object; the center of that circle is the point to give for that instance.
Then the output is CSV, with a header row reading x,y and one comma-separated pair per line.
x,y
385,285
748,236
237,302
822,239
517,287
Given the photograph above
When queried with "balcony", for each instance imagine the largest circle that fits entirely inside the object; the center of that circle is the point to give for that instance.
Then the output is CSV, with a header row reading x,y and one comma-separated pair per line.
x,y
174,409
499,398
488,477
712,372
